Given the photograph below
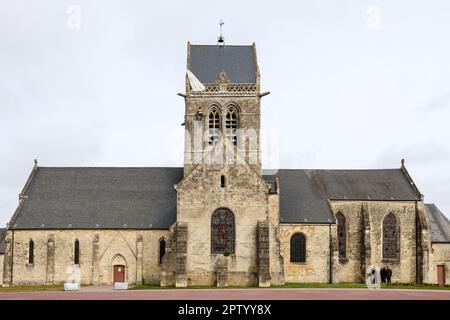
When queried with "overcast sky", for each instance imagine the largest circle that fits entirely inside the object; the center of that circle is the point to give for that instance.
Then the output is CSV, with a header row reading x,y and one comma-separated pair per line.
x,y
354,84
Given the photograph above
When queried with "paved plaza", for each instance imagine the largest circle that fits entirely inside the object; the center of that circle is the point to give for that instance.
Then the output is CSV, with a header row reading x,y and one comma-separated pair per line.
x,y
107,293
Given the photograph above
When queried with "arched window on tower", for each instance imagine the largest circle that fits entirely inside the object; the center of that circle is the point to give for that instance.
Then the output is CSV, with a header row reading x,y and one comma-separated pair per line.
x,y
390,237
162,249
76,252
231,122
298,248
214,126
222,231
342,235
31,252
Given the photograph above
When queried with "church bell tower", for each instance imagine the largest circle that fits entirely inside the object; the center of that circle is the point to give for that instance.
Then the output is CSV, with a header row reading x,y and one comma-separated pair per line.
x,y
222,115
223,206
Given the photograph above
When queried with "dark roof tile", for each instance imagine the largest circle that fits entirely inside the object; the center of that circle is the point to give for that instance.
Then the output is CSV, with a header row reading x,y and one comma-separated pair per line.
x,y
304,194
207,61
440,226
102,198
145,198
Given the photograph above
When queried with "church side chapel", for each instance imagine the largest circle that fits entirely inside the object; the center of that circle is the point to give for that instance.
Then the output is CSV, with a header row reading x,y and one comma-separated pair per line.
x,y
220,219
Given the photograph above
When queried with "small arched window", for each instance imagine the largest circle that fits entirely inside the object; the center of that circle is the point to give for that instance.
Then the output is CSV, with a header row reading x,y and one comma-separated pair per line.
x,y
76,252
222,231
231,120
214,126
162,249
298,248
390,237
31,252
342,235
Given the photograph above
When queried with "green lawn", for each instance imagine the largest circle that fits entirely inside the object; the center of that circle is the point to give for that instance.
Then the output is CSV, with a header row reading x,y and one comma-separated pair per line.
x,y
58,287
309,285
287,285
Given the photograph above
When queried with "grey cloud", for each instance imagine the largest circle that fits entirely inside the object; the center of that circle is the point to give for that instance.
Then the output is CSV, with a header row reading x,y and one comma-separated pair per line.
x,y
105,95
438,102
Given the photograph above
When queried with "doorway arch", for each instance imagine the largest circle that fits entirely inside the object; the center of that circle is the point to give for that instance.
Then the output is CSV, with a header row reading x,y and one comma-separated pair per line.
x,y
119,269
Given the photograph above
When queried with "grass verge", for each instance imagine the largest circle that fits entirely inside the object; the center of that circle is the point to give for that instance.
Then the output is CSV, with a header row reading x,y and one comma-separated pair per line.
x,y
58,287
309,286
411,286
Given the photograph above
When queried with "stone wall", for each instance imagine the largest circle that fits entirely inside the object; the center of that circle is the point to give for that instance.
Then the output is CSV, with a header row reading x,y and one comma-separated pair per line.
x,y
196,121
2,256
440,255
138,250
404,269
245,194
352,267
363,245
316,267
198,196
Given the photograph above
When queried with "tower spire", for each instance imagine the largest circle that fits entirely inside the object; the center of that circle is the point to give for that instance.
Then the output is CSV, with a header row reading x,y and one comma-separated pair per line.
x,y
221,39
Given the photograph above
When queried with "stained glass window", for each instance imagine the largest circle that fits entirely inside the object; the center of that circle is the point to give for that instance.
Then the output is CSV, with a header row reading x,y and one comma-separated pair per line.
x,y
31,252
390,237
298,248
162,249
342,235
222,231
76,257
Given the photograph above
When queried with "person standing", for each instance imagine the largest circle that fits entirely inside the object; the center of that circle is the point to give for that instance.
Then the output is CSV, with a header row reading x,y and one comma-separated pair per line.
x,y
383,275
388,274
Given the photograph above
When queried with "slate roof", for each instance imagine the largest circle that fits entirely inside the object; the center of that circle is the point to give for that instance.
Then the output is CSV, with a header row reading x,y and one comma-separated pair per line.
x,y
101,198
304,194
2,240
145,198
440,225
238,62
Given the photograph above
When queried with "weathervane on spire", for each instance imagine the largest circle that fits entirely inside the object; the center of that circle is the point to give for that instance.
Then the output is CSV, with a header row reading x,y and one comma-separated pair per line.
x,y
221,39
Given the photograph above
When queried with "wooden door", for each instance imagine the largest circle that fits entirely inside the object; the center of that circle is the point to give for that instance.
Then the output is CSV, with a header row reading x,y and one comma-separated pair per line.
x,y
119,273
441,274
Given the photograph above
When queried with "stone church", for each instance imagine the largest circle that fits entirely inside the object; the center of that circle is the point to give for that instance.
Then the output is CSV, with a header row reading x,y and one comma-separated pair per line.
x,y
220,219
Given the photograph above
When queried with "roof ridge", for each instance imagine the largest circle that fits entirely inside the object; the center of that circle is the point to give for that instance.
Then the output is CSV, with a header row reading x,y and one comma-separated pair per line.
x,y
439,223
92,167
180,167
224,46
303,169
412,184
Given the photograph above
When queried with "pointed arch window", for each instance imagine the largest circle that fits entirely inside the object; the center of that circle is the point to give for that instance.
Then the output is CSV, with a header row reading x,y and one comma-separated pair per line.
x,y
298,248
390,237
213,126
231,122
76,252
342,235
162,249
31,252
222,231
